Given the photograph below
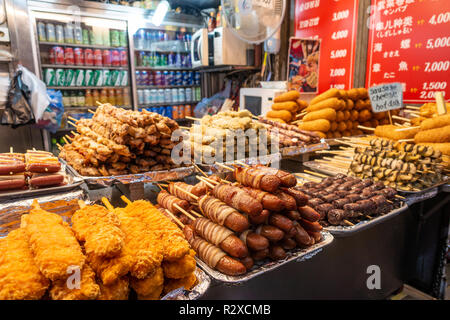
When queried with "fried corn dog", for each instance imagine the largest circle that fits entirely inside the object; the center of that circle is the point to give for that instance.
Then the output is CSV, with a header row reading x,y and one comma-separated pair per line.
x,y
321,125
118,290
331,93
436,122
390,132
89,289
327,114
438,135
152,285
287,96
333,103
290,106
281,114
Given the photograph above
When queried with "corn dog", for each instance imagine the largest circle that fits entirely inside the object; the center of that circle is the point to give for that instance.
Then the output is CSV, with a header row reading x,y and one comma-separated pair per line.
x,y
287,96
302,104
437,122
321,125
327,113
281,114
389,132
334,103
437,135
331,93
290,106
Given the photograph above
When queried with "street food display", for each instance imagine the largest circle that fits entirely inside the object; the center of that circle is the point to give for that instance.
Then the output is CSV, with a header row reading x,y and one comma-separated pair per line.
x,y
117,250
338,113
237,227
118,141
33,169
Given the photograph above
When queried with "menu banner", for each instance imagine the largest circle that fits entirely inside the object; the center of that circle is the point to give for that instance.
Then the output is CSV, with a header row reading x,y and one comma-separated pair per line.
x,y
409,42
334,22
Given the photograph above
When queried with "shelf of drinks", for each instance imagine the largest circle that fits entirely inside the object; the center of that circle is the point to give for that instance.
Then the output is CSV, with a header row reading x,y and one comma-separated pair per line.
x,y
163,51
66,66
148,105
68,109
78,45
227,68
164,68
89,87
168,87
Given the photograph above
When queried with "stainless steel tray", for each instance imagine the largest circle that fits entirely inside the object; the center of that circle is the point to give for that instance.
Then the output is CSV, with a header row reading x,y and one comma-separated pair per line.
x,y
72,183
195,293
363,225
266,265
152,176
446,187
296,151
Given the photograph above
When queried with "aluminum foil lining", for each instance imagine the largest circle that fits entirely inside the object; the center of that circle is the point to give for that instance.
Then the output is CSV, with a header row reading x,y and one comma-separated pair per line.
x,y
348,230
446,188
64,204
146,177
195,293
265,266
296,151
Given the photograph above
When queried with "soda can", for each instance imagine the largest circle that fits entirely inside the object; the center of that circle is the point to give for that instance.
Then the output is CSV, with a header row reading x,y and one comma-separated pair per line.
x,y
78,34
59,33
165,79
138,78
144,78
187,110
181,112
122,38
153,96
69,78
140,94
89,78
147,96
189,94
178,79
198,94
151,78
86,36
88,57
157,78
168,96
175,112
52,56
197,78
114,35
161,96
80,76
170,77
181,95
168,112
49,77
106,77
175,95
51,36
171,60
191,78
68,56
98,78
106,58
78,56
41,31
115,58
98,59
68,33
123,54
115,78
60,77
124,78
185,80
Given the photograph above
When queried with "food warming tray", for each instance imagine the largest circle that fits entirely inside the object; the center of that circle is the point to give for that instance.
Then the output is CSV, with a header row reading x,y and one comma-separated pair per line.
x,y
195,293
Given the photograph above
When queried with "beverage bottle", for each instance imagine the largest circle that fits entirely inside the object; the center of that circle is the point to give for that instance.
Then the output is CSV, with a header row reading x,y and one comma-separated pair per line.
x,y
73,99
219,18
88,99
112,97
126,97
95,97
119,97
66,99
103,96
81,100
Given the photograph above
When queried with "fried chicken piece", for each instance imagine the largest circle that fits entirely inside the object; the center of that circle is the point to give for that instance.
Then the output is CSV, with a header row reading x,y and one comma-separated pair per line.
x,y
89,289
187,283
150,285
109,270
180,268
145,249
171,237
20,278
99,229
118,290
52,243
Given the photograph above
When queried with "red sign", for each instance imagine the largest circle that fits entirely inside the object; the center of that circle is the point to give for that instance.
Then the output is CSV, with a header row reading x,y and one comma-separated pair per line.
x,y
334,22
409,42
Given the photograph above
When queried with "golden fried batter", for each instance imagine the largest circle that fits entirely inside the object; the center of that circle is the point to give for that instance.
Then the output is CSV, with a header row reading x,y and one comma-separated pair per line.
x,y
89,289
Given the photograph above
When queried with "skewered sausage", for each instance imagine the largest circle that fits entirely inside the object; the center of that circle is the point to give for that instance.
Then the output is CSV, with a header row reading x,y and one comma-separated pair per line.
x,y
289,202
268,201
310,226
309,213
260,255
288,243
301,199
277,252
272,233
293,215
301,236
168,201
281,222
257,178
237,198
254,241
262,218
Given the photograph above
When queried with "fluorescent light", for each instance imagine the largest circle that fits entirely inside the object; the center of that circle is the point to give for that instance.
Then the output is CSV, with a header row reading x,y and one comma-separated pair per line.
x,y
160,13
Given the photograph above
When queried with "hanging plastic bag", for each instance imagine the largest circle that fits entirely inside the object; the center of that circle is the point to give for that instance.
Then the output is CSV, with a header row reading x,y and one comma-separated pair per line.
x,y
38,97
213,104
51,119
17,110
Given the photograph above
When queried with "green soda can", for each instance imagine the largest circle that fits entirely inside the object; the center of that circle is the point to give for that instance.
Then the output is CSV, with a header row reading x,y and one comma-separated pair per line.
x,y
89,78
69,80
124,78
106,77
79,78
86,36
114,37
123,38
91,37
49,77
98,78
60,77
115,78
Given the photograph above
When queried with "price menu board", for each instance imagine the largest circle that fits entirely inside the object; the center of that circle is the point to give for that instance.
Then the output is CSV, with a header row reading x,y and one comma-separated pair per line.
x,y
409,42
334,22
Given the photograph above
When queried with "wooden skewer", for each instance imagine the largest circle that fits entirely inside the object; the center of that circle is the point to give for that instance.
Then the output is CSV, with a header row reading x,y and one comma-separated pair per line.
x,y
411,111
89,110
224,166
366,128
81,204
107,204
72,123
65,140
348,222
400,197
407,128
72,118
160,186
206,182
301,114
193,196
333,164
175,218
200,170
336,158
98,103
415,115
406,140
304,176
398,124
211,181
11,150
164,185
316,174
401,118
59,146
183,211
196,214
242,163
125,199
74,133
184,128
412,107
297,121
69,138
192,118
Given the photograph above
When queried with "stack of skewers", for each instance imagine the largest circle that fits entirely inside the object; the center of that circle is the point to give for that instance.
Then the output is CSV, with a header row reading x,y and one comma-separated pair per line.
x,y
232,226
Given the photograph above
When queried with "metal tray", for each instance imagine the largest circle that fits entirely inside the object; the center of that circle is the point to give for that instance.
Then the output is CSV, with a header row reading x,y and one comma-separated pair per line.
x,y
72,183
195,293
151,176
296,151
446,188
266,265
363,225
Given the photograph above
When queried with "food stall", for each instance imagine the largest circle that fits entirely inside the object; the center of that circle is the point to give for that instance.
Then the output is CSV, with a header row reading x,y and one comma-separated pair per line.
x,y
158,183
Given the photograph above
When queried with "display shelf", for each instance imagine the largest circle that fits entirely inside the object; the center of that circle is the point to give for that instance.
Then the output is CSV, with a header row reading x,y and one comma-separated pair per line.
x,y
226,68
166,104
163,68
168,87
70,108
89,46
65,66
162,51
88,87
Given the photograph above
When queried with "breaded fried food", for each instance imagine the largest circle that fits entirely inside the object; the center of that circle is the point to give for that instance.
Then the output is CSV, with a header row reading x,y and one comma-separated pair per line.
x,y
109,270
173,242
89,289
53,244
20,278
187,283
118,290
99,229
180,268
150,285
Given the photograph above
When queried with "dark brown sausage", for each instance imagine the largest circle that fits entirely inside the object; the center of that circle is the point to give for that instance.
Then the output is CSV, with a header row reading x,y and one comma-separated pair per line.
x,y
230,266
301,199
269,201
234,247
317,236
310,226
7,169
44,181
309,214
288,201
276,252
44,168
262,218
302,237
272,233
256,242
12,184
288,244
237,222
293,215
280,221
260,255
247,262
